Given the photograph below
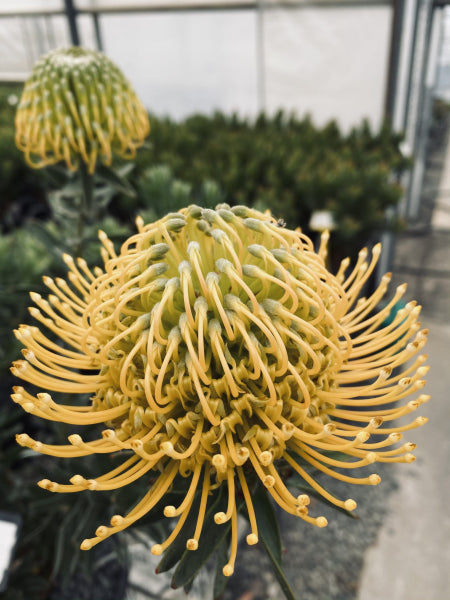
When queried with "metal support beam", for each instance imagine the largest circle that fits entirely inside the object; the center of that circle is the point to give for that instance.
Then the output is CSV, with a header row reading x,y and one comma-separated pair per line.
x,y
199,6
394,58
97,30
260,58
421,112
71,14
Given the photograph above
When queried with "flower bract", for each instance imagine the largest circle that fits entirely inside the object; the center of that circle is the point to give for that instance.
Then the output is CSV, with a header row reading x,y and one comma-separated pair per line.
x,y
216,346
77,105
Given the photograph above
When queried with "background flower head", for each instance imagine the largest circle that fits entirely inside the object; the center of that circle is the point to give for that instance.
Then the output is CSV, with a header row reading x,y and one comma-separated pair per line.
x,y
77,105
216,346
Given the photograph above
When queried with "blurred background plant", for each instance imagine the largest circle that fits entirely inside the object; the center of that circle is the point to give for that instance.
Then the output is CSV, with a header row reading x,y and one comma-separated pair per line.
x,y
281,162
22,190
290,166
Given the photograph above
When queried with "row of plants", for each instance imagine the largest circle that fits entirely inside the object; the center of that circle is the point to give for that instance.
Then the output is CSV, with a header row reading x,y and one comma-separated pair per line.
x,y
288,165
283,163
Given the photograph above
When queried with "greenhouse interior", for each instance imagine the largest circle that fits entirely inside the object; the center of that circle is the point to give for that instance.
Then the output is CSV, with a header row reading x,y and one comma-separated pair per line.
x,y
224,282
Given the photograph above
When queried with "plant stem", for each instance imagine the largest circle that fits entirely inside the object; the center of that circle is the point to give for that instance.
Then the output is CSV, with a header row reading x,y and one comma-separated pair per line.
x,y
86,206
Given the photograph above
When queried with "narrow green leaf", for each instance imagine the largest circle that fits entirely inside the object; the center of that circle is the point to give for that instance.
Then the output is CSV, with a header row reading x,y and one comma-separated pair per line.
x,y
212,536
267,522
279,573
188,586
220,581
178,547
269,534
60,545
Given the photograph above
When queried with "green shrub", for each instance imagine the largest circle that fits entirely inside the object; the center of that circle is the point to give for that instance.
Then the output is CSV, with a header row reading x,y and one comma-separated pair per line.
x,y
22,190
159,192
23,261
285,164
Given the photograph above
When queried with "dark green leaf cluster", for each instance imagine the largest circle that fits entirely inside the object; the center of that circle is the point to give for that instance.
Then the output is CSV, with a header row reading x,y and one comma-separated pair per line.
x,y
20,186
286,164
23,260
47,557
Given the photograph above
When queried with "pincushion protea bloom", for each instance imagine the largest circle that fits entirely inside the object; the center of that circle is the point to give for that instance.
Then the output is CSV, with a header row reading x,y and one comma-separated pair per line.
x,y
217,346
78,105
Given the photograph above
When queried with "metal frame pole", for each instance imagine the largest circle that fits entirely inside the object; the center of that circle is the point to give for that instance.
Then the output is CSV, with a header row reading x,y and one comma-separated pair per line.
x,y
260,57
71,14
420,133
394,58
98,32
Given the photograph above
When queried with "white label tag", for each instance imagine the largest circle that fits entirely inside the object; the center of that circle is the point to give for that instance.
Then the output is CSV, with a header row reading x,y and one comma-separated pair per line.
x,y
8,538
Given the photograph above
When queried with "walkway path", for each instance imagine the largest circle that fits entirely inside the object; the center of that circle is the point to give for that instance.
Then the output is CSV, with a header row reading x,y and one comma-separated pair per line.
x,y
411,558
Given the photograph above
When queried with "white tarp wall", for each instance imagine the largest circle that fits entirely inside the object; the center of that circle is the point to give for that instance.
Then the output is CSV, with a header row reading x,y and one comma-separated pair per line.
x,y
330,61
320,57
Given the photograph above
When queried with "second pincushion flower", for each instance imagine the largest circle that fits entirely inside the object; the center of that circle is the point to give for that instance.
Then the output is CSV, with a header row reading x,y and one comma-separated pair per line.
x,y
77,105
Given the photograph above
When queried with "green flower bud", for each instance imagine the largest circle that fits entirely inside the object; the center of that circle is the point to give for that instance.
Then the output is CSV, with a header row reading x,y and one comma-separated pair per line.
x,y
77,105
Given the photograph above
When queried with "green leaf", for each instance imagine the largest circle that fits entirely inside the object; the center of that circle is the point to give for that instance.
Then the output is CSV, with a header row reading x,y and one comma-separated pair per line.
x,y
116,179
63,534
267,522
279,574
212,536
270,536
188,586
220,581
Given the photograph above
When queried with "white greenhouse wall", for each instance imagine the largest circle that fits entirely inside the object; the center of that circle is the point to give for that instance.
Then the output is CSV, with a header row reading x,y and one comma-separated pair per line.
x,y
331,62
189,62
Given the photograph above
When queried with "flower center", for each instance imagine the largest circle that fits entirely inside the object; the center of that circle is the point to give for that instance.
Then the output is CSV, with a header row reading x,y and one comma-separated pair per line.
x,y
192,323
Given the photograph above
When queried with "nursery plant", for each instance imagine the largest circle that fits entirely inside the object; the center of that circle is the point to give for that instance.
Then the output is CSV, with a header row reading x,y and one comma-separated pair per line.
x,y
292,167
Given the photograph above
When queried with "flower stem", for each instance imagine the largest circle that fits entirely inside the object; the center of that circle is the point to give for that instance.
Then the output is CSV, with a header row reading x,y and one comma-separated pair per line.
x,y
86,206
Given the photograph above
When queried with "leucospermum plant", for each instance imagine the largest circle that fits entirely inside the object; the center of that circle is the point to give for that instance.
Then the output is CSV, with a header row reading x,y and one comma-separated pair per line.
x,y
78,107
216,347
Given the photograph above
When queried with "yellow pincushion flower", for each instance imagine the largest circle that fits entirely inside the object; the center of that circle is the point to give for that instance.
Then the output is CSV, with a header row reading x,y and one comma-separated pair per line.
x,y
217,347
78,105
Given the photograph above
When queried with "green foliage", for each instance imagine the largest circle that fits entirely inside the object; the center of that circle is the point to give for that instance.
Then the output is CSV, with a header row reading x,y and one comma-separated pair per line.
x,y
285,164
23,260
17,180
270,536
158,191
